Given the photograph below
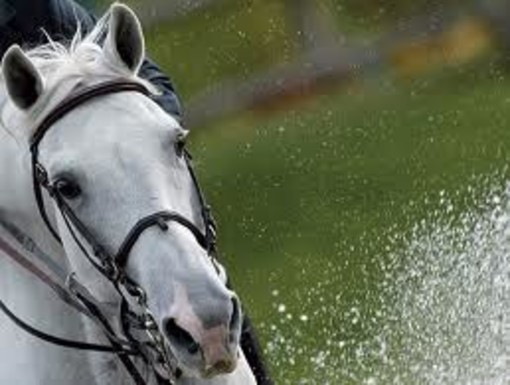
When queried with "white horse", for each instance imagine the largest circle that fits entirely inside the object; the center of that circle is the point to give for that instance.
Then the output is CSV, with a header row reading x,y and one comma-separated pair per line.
x,y
119,153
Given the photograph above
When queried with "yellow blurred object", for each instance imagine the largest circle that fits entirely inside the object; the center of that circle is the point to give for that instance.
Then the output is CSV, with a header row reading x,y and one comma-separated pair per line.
x,y
463,42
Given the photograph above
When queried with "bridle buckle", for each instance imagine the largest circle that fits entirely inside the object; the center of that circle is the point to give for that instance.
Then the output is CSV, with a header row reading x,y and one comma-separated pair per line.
x,y
41,175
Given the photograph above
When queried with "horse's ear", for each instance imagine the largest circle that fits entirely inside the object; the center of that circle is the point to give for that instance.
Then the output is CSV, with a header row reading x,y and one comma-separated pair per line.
x,y
125,38
23,81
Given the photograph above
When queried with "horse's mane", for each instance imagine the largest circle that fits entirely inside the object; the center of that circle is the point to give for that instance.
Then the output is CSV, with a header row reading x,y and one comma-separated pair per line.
x,y
65,66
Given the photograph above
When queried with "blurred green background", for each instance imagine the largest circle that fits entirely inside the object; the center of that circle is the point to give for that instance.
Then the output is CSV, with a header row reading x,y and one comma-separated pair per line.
x,y
322,128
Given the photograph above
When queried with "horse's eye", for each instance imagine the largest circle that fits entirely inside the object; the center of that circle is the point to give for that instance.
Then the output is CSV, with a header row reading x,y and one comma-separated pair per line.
x,y
179,147
68,189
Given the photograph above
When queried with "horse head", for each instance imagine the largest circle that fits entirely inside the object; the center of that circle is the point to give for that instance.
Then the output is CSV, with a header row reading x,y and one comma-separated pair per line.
x,y
112,161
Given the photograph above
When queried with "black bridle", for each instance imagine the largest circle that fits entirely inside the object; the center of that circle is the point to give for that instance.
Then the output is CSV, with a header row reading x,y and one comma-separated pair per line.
x,y
112,265
40,180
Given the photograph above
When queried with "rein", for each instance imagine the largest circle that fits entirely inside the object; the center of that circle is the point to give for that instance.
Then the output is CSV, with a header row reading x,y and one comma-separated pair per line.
x,y
111,265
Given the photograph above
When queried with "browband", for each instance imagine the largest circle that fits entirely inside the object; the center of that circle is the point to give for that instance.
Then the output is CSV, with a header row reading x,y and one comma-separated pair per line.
x,y
80,97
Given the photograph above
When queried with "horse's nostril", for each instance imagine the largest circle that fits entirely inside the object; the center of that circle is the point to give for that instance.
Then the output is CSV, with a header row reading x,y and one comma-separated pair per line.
x,y
223,366
180,337
193,348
